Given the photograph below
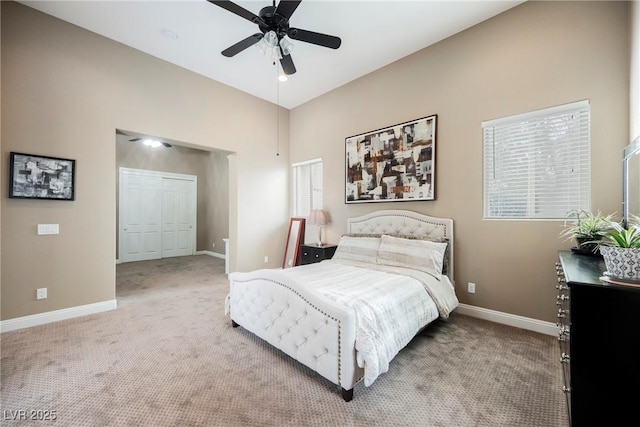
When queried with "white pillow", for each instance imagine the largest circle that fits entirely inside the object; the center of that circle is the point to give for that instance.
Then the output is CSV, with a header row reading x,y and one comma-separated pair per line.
x,y
422,255
445,262
363,249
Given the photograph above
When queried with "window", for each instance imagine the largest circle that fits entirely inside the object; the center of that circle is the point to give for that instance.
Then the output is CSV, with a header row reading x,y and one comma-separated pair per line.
x,y
307,187
537,164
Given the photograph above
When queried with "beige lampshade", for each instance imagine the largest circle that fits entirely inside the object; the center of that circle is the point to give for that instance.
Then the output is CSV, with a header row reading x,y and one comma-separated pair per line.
x,y
317,217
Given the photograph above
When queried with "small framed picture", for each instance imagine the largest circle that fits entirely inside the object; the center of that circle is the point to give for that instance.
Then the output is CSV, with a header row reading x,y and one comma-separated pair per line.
x,y
40,177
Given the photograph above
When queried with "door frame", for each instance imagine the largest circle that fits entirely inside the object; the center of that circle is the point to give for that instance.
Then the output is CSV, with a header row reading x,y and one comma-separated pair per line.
x,y
144,172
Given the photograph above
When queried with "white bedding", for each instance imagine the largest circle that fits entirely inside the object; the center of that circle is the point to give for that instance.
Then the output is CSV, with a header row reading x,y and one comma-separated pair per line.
x,y
391,304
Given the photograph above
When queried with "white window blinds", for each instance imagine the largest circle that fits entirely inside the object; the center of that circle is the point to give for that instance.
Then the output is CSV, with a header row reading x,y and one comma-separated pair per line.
x,y
537,165
307,187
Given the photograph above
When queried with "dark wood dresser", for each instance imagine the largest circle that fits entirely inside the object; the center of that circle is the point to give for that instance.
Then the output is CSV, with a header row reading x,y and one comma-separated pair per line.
x,y
599,337
315,253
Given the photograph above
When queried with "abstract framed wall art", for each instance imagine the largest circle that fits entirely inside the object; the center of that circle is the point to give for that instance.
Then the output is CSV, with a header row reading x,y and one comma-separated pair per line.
x,y
39,177
397,163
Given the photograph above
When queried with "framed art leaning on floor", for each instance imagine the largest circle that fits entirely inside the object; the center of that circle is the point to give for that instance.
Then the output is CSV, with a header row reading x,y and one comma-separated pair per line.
x,y
396,163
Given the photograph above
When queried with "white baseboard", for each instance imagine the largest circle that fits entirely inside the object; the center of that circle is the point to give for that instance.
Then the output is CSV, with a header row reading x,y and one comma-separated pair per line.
x,y
215,254
522,322
56,315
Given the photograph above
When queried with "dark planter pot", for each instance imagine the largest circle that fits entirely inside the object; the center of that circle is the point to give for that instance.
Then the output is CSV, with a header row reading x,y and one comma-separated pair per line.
x,y
587,248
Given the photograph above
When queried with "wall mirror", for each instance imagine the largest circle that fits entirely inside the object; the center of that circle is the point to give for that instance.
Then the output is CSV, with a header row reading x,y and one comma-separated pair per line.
x,y
631,181
294,240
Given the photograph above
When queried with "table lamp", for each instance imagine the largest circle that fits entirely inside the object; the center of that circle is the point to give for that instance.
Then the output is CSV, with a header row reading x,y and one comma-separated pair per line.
x,y
317,217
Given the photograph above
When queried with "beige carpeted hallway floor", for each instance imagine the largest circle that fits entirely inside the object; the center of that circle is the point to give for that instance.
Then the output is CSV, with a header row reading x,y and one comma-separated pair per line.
x,y
168,356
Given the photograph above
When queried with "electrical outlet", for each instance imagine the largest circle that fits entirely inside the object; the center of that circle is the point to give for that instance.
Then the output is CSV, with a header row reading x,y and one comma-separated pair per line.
x,y
471,287
266,259
41,293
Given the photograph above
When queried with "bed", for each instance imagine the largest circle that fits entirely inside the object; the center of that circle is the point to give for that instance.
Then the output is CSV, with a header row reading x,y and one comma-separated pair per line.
x,y
346,318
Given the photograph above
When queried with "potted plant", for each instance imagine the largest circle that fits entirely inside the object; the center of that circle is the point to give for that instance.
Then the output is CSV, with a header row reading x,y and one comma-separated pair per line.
x,y
620,249
586,228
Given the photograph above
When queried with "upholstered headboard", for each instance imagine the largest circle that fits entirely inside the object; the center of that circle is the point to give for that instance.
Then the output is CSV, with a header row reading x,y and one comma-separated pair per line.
x,y
405,223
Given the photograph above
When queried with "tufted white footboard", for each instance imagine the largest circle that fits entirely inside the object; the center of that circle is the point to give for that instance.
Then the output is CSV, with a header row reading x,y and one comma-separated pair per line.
x,y
308,327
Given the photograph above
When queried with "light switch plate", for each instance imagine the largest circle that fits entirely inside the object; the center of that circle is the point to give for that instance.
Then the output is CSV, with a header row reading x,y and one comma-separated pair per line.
x,y
44,229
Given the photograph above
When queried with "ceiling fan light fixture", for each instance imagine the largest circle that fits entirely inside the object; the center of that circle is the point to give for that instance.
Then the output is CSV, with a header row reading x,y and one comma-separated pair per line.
x,y
271,38
152,143
267,42
286,45
276,55
262,47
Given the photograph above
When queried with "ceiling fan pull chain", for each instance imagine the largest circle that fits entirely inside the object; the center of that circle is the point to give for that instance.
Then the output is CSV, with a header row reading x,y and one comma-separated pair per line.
x,y
277,111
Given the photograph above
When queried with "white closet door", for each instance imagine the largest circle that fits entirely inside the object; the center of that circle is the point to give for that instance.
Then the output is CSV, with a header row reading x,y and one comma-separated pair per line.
x,y
177,217
140,217
157,215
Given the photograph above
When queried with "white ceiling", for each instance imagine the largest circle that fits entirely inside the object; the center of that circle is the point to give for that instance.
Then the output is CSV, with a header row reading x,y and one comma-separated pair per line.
x,y
373,33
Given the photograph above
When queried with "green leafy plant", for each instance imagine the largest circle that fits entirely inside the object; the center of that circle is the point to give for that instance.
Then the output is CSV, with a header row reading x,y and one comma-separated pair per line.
x,y
618,235
582,223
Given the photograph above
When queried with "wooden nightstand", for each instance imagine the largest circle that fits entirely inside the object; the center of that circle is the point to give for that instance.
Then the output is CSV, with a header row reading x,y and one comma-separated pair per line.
x,y
314,253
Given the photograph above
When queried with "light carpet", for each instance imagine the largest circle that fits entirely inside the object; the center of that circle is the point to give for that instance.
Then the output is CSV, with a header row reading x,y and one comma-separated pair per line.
x,y
168,356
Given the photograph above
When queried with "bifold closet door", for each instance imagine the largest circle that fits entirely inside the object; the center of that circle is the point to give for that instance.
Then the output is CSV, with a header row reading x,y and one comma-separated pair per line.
x,y
157,215
177,217
141,217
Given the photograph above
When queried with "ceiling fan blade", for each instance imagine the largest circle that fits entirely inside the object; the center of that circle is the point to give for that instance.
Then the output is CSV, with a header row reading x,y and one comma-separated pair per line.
x,y
287,65
242,45
238,10
315,38
287,7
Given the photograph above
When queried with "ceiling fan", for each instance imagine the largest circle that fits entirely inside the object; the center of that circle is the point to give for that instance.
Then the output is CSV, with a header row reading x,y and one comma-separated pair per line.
x,y
273,23
151,142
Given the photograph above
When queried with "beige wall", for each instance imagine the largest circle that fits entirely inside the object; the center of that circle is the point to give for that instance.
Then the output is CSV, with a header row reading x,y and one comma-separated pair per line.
x,y
634,98
64,92
216,221
210,167
2,170
537,55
